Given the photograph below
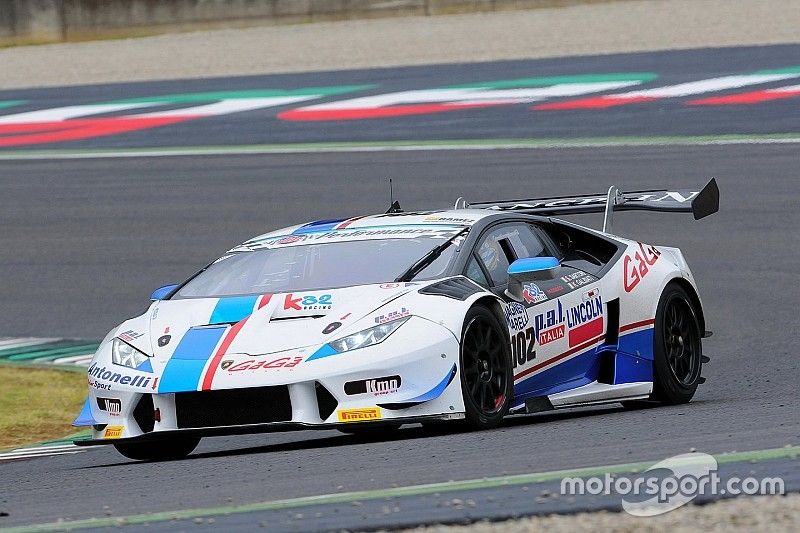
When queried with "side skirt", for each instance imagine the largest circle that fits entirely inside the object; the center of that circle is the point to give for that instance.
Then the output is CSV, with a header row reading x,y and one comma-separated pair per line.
x,y
592,394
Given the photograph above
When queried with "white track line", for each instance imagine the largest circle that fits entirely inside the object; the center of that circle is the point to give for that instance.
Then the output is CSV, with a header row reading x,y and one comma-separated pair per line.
x,y
289,149
41,451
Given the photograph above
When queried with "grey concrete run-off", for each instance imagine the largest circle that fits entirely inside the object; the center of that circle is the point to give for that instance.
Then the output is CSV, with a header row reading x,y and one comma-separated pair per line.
x,y
31,21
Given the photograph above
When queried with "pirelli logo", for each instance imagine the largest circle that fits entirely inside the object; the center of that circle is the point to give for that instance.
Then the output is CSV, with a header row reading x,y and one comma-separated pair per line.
x,y
359,415
113,432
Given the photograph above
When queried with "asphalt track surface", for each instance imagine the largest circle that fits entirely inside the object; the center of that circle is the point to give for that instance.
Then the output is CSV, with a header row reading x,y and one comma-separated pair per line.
x,y
85,241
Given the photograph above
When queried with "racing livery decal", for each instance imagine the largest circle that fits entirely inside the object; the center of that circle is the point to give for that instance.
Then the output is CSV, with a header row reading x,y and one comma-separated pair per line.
x,y
635,268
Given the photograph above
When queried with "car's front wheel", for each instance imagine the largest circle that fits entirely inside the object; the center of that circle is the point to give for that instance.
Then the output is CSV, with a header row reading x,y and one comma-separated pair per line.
x,y
158,450
487,378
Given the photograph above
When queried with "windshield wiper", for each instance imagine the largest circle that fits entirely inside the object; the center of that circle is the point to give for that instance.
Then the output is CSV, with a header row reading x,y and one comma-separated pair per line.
x,y
429,258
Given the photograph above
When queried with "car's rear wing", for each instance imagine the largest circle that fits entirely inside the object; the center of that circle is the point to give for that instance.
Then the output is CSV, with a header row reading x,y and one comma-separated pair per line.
x,y
700,203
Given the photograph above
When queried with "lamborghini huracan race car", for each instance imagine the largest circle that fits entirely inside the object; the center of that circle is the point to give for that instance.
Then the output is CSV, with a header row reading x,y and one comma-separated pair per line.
x,y
370,322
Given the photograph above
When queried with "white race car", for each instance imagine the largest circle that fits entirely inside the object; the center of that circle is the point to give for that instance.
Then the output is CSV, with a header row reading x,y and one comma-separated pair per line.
x,y
371,322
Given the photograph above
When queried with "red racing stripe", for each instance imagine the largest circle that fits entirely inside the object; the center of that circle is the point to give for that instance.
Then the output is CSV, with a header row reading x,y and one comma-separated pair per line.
x,y
587,331
634,325
264,300
626,327
558,358
223,348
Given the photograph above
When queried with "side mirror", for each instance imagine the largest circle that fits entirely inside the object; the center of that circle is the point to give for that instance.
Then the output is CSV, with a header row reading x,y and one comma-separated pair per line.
x,y
523,273
162,292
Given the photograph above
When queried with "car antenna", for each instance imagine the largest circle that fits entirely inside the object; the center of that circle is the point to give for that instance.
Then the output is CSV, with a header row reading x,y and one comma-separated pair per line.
x,y
394,207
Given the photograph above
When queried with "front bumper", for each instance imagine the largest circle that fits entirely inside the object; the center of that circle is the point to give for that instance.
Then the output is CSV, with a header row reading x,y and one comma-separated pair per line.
x,y
276,427
312,395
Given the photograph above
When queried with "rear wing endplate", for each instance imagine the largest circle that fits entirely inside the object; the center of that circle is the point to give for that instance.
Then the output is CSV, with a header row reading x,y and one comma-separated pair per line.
x,y
700,203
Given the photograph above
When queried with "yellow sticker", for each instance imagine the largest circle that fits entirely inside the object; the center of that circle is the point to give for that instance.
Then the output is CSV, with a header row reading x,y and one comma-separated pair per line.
x,y
359,415
113,432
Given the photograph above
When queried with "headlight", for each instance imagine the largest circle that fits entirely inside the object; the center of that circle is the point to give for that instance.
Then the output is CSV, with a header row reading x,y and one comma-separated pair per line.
x,y
367,337
124,354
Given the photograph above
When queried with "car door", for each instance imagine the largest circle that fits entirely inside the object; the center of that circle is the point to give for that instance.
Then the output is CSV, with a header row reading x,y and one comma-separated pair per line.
x,y
551,326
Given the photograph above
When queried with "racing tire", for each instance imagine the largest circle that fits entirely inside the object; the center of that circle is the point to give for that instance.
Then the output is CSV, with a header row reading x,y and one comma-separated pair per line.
x,y
677,348
160,450
487,378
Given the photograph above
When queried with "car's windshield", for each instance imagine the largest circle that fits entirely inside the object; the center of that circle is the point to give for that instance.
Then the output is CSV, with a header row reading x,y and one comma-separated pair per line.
x,y
315,266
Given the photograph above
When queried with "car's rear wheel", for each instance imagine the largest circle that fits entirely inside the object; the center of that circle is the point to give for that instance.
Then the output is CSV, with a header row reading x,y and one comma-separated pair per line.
x,y
677,347
158,450
487,378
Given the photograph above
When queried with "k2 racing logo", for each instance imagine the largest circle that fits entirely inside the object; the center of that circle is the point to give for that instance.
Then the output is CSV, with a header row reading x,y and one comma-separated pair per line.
x,y
307,302
645,258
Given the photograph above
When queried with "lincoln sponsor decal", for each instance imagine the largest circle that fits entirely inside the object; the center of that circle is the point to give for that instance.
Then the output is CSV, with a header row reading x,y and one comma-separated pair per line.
x,y
579,323
637,267
359,415
585,320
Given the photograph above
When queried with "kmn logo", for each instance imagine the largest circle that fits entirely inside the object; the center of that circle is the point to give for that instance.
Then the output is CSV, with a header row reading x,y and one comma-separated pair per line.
x,y
112,406
375,386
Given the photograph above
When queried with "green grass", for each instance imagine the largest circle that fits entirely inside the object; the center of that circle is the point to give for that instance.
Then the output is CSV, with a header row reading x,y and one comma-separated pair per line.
x,y
38,405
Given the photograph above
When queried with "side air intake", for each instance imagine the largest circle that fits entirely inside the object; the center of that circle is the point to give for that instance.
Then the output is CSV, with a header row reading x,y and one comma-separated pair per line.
x,y
459,288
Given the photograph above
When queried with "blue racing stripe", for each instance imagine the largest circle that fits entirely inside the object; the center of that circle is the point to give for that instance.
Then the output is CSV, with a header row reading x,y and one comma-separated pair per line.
x,y
437,390
318,225
185,368
581,369
233,309
325,351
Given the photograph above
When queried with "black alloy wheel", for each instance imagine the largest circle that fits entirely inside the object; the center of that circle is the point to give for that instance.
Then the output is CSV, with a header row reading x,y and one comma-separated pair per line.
x,y
677,347
486,375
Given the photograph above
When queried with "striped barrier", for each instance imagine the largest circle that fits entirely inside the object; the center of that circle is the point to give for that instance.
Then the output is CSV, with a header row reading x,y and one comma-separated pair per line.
x,y
46,351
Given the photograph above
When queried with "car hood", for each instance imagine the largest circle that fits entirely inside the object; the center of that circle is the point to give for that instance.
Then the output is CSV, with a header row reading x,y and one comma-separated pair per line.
x,y
260,324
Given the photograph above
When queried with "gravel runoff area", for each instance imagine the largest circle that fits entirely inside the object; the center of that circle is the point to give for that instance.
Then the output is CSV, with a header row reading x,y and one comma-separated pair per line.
x,y
620,26
745,515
